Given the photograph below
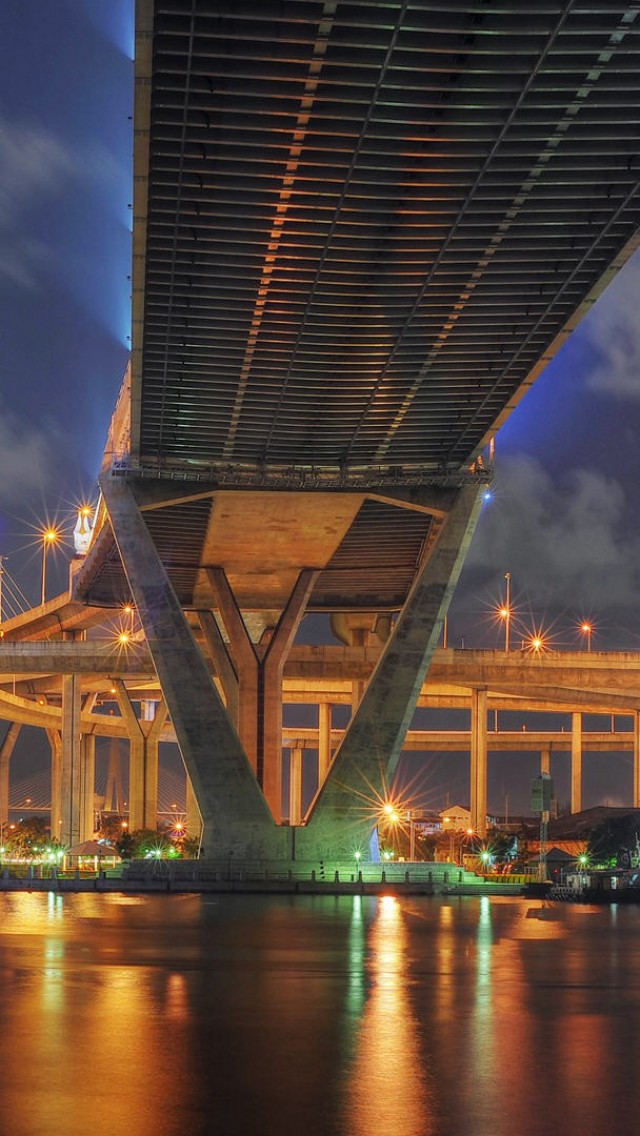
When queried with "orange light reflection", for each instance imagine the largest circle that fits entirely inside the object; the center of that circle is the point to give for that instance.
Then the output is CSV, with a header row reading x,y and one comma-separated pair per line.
x,y
388,1089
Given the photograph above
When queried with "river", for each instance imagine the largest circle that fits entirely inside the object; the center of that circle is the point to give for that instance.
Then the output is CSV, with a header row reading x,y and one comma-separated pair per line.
x,y
319,1016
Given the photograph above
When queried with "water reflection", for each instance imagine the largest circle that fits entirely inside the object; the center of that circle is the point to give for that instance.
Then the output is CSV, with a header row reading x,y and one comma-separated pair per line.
x,y
387,1088
326,1017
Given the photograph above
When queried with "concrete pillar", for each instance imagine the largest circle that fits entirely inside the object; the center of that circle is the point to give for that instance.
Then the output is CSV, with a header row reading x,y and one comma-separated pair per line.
x,y
576,762
55,742
241,659
223,664
324,741
88,782
479,762
70,775
6,750
357,638
295,784
636,759
260,679
152,729
193,820
270,719
545,761
144,737
136,757
371,747
235,815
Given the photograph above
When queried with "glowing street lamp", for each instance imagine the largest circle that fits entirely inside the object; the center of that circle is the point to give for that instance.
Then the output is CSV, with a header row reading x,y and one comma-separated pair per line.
x,y
587,630
50,537
537,643
128,613
505,612
390,813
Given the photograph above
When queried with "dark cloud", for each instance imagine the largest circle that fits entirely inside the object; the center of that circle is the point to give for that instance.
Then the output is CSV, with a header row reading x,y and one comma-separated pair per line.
x,y
29,460
33,165
613,332
565,542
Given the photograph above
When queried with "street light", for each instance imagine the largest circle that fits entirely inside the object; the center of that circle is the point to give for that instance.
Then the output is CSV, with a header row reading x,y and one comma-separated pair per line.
x,y
505,612
587,630
412,837
50,537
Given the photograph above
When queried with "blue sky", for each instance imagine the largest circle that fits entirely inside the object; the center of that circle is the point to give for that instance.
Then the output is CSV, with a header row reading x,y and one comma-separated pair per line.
x,y
65,186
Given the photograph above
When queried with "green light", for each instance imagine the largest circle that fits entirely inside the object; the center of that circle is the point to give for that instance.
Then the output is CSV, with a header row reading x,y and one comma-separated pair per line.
x,y
358,854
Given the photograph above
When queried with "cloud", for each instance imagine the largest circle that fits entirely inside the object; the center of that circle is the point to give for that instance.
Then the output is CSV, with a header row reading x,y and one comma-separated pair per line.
x,y
29,459
33,164
566,543
612,330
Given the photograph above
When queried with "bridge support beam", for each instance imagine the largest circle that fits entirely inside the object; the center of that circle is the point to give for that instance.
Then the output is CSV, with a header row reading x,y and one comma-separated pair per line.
x,y
576,762
88,784
295,784
144,737
6,750
55,743
236,817
260,678
324,741
71,761
345,811
193,818
478,794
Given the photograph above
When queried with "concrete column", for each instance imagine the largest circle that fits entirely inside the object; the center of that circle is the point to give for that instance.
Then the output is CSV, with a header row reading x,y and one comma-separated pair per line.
x,y
270,720
371,747
324,741
357,638
245,665
479,762
576,762
88,781
152,730
6,750
136,758
295,784
223,664
193,820
636,759
545,761
260,680
235,815
55,742
71,760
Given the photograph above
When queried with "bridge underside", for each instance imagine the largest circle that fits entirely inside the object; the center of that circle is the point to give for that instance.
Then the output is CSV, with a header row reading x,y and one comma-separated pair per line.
x,y
232,746
361,230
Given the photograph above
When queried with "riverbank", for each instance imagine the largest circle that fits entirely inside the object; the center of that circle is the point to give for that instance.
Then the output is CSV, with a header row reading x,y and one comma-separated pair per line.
x,y
201,877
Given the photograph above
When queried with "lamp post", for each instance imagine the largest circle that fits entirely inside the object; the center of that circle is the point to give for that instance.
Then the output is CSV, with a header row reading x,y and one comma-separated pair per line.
x,y
587,630
505,612
412,837
50,537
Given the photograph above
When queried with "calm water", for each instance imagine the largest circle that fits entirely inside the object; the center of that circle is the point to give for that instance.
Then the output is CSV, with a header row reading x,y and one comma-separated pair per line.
x,y
166,1015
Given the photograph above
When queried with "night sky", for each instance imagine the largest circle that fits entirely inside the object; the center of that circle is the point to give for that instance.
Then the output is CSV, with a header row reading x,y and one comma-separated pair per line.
x,y
562,518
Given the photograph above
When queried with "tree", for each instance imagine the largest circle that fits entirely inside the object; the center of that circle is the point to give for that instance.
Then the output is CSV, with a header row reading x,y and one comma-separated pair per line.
x,y
29,837
614,841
